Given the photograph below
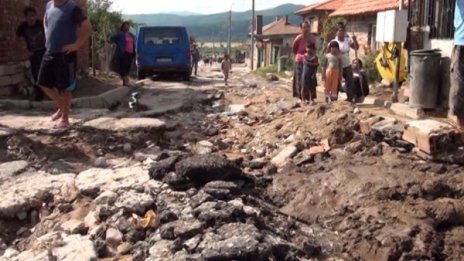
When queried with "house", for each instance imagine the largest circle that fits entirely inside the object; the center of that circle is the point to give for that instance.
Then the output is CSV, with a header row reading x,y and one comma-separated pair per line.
x,y
13,55
361,19
317,13
274,40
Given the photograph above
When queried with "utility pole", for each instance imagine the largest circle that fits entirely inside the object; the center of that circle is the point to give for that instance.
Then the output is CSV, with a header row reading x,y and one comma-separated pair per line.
x,y
253,24
396,85
229,32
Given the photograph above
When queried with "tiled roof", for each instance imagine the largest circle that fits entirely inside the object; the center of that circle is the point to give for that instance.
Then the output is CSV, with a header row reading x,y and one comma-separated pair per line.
x,y
357,7
280,27
328,5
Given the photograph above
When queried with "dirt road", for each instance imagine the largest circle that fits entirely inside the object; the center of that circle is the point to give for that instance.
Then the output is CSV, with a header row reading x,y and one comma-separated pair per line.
x,y
201,171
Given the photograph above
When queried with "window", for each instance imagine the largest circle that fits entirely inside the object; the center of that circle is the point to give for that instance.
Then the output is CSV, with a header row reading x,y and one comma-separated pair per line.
x,y
155,36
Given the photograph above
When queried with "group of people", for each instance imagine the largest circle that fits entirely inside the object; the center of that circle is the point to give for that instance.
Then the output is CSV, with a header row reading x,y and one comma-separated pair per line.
x,y
52,46
339,72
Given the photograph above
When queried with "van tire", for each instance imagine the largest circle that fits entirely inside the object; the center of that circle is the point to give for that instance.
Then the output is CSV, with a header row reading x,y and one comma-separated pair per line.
x,y
141,74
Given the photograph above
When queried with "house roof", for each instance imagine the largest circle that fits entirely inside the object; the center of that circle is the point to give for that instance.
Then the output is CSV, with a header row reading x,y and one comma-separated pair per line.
x,y
327,5
358,7
280,27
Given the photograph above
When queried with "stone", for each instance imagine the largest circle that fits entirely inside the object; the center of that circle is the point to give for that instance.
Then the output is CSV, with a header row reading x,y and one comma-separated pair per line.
x,y
106,198
134,202
127,148
235,241
284,156
271,77
204,147
28,191
432,137
261,152
74,226
192,244
113,236
161,250
183,229
221,189
236,109
75,247
205,168
126,124
366,125
160,169
8,169
124,248
91,181
91,220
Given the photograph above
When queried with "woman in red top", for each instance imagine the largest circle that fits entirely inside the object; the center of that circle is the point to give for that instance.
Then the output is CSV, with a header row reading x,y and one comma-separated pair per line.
x,y
125,52
299,49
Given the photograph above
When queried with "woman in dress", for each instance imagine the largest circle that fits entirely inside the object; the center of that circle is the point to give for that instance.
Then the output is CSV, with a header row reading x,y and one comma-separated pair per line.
x,y
304,39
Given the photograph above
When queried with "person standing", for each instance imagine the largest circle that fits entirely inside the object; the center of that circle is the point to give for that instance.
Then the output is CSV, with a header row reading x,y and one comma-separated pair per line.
x,y
195,59
66,31
346,43
456,102
308,77
32,32
226,66
332,74
124,53
304,39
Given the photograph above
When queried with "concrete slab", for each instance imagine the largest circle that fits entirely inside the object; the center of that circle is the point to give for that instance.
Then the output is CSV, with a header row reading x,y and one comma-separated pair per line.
x,y
126,124
405,110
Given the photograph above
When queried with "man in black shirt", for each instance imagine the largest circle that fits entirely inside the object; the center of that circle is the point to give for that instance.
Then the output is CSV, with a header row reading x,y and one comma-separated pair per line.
x,y
32,31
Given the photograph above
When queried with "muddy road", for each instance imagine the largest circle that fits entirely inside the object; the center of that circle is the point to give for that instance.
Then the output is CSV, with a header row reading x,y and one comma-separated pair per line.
x,y
206,172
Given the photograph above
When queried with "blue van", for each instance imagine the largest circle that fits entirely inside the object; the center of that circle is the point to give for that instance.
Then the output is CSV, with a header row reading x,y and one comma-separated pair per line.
x,y
163,49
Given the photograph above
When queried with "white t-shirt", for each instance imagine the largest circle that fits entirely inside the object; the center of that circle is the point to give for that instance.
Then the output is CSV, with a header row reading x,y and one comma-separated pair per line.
x,y
345,47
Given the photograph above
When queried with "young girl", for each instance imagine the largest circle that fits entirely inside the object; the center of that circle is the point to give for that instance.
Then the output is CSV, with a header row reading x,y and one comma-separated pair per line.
x,y
226,66
308,77
333,72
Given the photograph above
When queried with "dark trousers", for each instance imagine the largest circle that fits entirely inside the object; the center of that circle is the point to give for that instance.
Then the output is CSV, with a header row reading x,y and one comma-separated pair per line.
x,y
195,67
36,60
349,83
456,100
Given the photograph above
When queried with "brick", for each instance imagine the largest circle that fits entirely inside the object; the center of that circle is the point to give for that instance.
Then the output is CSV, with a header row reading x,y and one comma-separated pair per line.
x,y
366,125
432,137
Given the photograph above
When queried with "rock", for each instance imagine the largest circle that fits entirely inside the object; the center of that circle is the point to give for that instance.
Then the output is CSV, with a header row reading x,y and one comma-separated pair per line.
x,y
161,168
100,162
9,169
235,241
176,181
126,124
91,220
211,132
271,77
74,226
91,181
205,168
204,147
284,156
221,189
21,215
356,110
29,190
113,236
127,148
75,247
236,109
257,164
192,244
261,152
354,147
161,250
167,216
106,198
124,248
134,202
183,229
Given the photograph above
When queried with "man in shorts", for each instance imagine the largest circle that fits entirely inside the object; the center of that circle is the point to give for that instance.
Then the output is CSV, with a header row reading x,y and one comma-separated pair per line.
x,y
457,67
66,31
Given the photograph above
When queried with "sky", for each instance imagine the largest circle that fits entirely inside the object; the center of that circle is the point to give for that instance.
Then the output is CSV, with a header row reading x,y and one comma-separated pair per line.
x,y
197,6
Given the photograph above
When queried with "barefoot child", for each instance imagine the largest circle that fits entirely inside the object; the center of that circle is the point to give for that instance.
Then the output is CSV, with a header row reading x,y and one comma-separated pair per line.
x,y
332,69
308,77
226,66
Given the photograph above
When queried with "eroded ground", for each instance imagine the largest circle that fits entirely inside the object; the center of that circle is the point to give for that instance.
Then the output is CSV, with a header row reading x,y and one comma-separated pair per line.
x,y
237,173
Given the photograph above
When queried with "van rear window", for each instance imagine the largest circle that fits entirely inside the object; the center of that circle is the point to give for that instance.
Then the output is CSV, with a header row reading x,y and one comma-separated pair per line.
x,y
154,36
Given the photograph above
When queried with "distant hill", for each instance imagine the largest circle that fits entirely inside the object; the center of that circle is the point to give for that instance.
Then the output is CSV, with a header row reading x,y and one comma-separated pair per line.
x,y
214,26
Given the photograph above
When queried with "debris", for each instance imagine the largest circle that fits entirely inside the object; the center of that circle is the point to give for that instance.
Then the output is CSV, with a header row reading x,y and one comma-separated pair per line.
x,y
282,158
149,220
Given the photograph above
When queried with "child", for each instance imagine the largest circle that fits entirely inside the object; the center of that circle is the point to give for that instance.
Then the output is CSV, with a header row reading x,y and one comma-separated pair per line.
x,y
308,77
226,66
333,72
360,80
